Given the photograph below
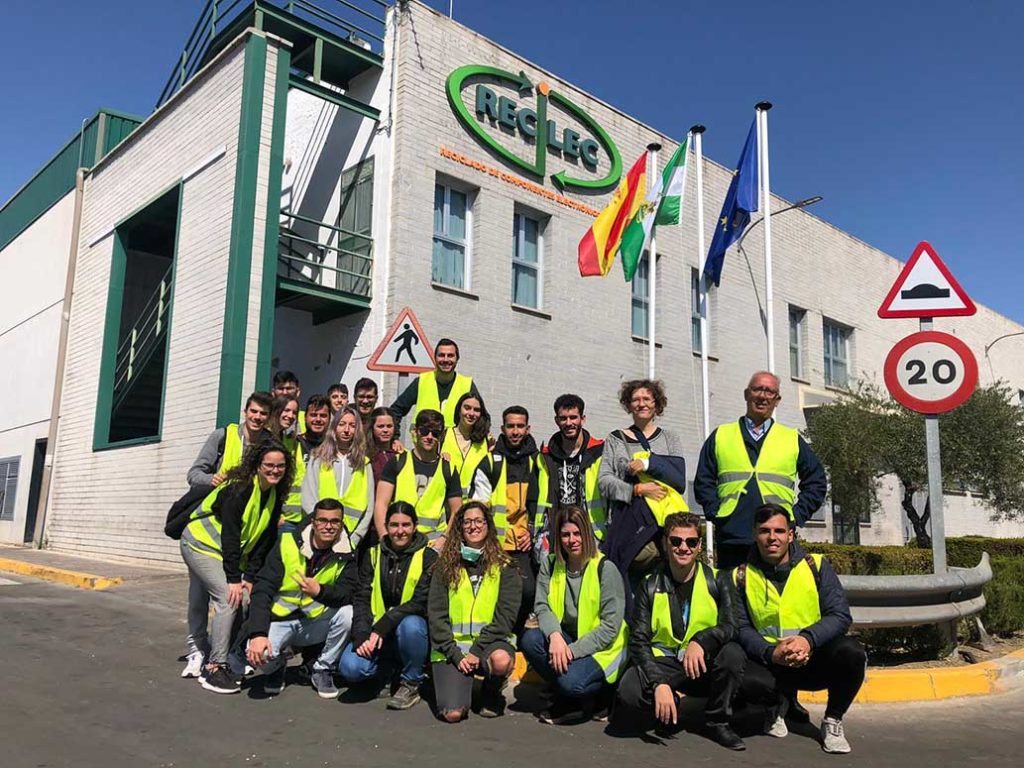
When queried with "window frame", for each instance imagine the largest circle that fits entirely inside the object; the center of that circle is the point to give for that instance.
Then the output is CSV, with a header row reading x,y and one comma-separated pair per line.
x,y
643,299
799,315
518,242
9,496
466,244
829,358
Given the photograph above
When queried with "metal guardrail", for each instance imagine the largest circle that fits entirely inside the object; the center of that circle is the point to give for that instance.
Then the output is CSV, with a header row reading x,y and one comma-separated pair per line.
x,y
345,266
143,337
904,601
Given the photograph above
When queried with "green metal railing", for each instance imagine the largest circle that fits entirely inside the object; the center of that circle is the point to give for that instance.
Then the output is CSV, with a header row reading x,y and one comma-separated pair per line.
x,y
347,19
344,265
143,338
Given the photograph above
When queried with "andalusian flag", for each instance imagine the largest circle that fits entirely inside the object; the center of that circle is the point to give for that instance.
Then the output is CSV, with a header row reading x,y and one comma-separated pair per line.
x,y
598,247
661,206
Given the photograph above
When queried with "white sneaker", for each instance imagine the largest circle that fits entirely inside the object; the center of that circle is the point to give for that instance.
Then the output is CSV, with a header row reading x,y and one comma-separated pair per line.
x,y
775,721
833,737
193,664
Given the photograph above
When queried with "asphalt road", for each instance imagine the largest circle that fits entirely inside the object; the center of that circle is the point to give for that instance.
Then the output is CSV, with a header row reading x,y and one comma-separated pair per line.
x,y
91,679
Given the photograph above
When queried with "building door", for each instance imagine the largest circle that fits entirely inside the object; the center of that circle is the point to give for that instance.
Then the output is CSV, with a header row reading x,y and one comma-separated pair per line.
x,y
35,482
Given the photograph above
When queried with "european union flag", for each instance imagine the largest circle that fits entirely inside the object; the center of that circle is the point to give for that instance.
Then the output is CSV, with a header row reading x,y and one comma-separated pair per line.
x,y
740,200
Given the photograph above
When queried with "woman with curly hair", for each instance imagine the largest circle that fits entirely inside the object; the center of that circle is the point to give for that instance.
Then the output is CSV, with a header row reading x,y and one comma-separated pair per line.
x,y
339,469
643,478
467,444
224,544
474,599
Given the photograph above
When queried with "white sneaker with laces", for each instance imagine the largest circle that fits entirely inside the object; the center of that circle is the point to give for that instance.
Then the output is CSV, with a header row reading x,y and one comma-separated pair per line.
x,y
775,721
833,737
193,664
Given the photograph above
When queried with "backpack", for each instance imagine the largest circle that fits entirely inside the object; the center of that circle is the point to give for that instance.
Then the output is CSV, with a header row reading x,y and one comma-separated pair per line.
x,y
181,510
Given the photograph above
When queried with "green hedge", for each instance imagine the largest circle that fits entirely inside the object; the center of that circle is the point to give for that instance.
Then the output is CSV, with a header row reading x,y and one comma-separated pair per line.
x,y
1003,614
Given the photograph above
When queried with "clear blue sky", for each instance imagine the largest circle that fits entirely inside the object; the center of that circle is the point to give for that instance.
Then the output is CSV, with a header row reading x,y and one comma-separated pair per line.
x,y
903,115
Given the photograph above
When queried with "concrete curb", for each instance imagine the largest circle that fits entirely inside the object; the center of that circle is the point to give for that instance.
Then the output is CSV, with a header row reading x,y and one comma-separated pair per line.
x,y
59,575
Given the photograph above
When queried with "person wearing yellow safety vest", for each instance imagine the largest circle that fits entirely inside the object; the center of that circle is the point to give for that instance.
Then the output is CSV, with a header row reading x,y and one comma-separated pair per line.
x,y
439,389
286,384
340,470
471,610
468,444
643,477
681,641
227,539
422,478
389,627
223,449
318,419
282,425
752,461
792,625
509,483
303,597
569,465
580,645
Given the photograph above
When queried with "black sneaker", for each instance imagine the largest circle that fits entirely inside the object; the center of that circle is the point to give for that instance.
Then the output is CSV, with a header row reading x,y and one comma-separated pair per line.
x,y
796,713
561,712
220,680
492,701
406,697
274,682
323,683
723,734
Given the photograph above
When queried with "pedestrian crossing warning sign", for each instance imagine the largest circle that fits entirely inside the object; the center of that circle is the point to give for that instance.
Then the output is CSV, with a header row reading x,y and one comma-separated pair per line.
x,y
926,288
405,348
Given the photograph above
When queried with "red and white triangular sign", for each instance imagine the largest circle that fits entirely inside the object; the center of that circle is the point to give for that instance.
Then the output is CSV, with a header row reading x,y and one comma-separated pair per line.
x,y
926,288
405,348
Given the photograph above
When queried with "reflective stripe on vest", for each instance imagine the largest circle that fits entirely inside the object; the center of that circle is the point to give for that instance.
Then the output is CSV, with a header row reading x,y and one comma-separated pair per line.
x,y
469,613
775,471
703,615
290,597
776,616
430,507
673,500
291,510
427,396
233,449
594,502
356,500
588,611
203,533
412,577
465,466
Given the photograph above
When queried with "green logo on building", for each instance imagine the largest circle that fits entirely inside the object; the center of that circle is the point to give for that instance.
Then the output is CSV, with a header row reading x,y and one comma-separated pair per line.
x,y
593,148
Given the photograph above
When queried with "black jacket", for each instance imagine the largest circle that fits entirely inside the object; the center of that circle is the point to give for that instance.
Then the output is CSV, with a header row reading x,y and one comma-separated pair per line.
x,y
229,508
393,566
555,459
835,608
518,471
710,639
271,576
739,526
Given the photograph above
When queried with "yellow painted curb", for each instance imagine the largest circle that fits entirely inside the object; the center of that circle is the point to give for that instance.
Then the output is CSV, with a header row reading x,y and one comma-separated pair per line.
x,y
59,575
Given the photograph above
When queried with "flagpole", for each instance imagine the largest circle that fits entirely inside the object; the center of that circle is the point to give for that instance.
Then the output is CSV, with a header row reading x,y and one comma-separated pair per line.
x,y
652,264
766,205
697,132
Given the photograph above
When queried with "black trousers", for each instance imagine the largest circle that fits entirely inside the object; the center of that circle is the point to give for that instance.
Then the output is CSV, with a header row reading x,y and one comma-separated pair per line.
x,y
728,556
634,709
837,666
524,564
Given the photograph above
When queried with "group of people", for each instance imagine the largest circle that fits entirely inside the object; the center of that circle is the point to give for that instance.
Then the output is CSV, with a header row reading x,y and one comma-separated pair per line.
x,y
390,560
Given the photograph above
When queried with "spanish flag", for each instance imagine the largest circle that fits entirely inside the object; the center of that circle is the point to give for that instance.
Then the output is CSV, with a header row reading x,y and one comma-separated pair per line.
x,y
599,245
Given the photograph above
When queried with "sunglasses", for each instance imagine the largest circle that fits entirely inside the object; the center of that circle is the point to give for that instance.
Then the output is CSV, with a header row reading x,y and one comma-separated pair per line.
x,y
692,542
429,431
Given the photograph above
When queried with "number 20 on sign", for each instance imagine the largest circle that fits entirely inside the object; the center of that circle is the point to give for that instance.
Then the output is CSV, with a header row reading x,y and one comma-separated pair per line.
x,y
931,372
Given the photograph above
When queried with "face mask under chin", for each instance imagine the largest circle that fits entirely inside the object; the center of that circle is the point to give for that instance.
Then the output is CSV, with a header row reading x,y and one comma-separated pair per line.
x,y
471,554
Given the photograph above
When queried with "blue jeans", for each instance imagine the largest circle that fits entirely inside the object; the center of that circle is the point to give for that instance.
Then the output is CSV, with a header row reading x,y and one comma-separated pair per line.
x,y
406,647
330,628
584,677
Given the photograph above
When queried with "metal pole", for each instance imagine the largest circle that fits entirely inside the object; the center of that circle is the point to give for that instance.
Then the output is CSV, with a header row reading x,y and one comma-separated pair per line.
x,y
698,159
652,263
938,520
766,205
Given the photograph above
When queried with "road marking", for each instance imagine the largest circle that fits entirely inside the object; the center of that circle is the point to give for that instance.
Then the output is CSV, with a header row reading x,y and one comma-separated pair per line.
x,y
9,583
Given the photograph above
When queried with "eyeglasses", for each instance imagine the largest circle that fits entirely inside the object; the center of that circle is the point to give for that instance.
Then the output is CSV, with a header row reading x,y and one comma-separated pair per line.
x,y
273,467
765,391
473,522
692,542
429,431
326,522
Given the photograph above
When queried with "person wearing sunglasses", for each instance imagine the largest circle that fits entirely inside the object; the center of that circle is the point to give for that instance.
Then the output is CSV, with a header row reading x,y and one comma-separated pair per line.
x,y
580,645
226,540
474,598
681,641
303,597
422,478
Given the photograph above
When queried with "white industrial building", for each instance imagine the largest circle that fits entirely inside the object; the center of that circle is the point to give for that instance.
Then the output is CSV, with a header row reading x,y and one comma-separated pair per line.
x,y
313,168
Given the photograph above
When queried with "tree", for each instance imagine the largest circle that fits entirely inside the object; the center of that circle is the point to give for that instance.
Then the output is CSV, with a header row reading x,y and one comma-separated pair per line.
x,y
865,435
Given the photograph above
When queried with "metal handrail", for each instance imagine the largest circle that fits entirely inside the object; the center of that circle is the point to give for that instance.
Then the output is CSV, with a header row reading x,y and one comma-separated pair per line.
x,y
332,227
144,335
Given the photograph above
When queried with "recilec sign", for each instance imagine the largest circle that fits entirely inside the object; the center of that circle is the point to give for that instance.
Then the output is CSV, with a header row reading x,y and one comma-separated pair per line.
x,y
593,148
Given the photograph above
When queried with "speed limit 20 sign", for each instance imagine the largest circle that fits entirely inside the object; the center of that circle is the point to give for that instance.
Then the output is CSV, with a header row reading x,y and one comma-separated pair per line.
x,y
931,372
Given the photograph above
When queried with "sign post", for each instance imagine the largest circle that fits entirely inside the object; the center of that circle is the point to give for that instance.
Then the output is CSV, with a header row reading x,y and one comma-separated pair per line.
x,y
930,372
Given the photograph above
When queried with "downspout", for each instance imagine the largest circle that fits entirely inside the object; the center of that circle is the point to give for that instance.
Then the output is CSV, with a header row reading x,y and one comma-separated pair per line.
x,y
62,353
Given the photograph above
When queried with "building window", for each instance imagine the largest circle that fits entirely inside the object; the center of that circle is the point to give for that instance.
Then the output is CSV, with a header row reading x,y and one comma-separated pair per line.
x,y
837,354
130,401
355,219
1020,397
450,261
695,310
8,486
527,261
797,334
641,297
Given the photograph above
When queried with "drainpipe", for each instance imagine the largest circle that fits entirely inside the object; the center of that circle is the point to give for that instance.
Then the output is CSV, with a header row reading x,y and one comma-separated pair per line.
x,y
62,353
